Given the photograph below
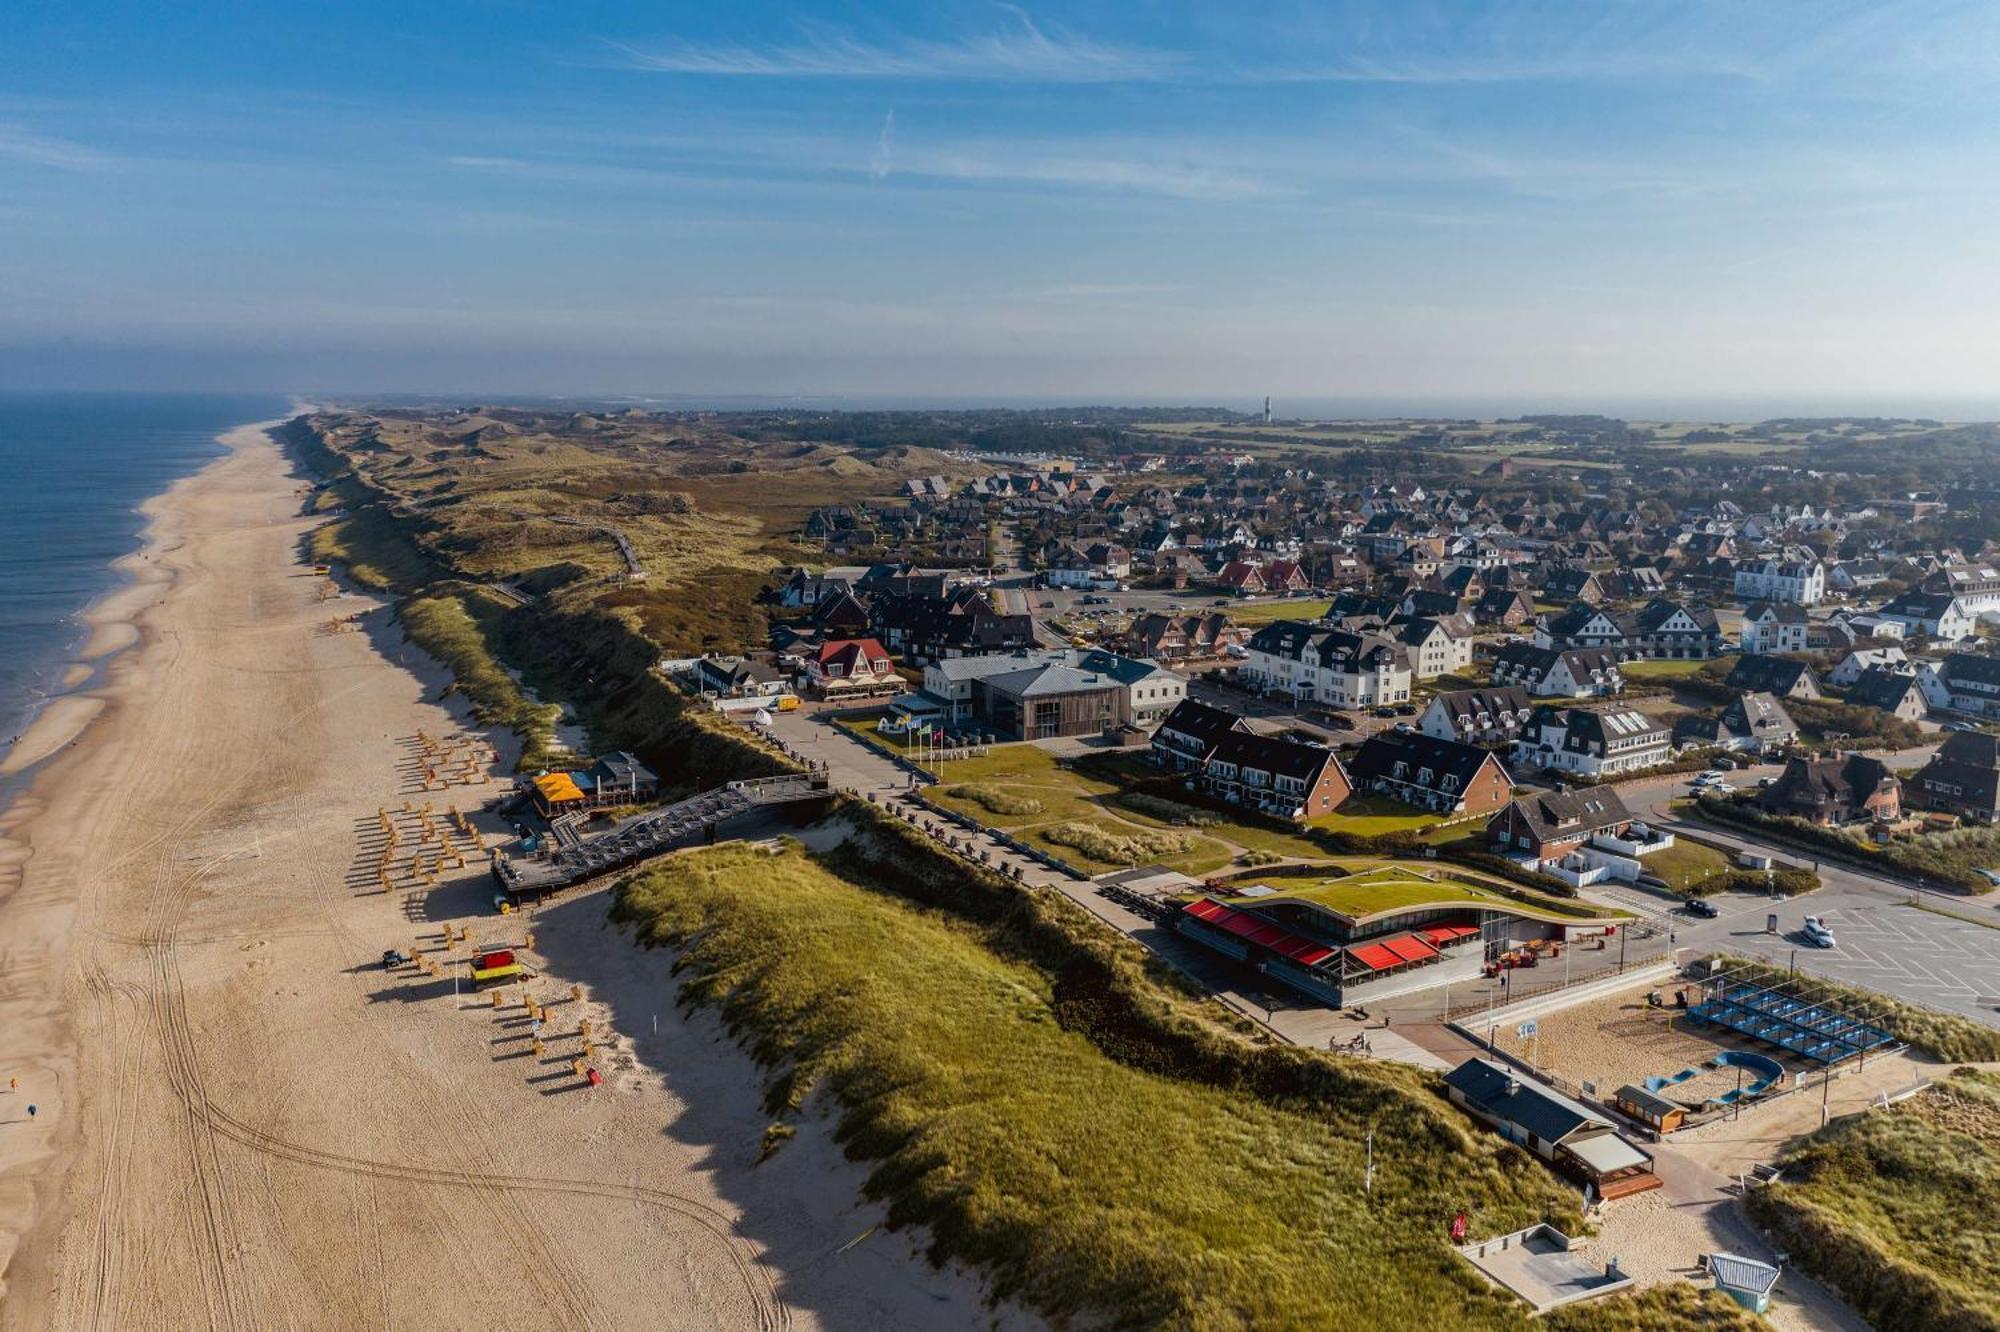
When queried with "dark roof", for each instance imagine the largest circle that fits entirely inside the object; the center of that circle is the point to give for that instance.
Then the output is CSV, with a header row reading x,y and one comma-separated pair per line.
x,y
1812,784
1379,754
1571,813
1195,718
1970,761
1770,674
1503,1094
1490,700
1972,667
1880,687
1272,754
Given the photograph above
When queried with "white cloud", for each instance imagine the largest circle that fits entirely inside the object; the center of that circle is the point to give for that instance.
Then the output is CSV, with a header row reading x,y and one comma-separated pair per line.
x,y
40,150
1021,52
885,148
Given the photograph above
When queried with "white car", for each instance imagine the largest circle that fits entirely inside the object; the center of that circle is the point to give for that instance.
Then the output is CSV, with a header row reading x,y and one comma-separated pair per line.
x,y
1816,932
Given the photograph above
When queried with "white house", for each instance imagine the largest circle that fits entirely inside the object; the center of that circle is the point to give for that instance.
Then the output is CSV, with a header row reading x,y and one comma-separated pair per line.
x,y
1801,582
1315,664
1938,614
1850,667
1774,626
1437,646
1596,744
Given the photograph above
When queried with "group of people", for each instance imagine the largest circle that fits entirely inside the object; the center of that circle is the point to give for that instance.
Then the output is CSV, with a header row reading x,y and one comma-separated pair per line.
x,y
1357,1045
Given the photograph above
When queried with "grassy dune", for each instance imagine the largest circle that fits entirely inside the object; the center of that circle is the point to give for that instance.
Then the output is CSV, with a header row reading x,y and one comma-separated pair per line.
x,y
443,624
1900,1209
1083,1185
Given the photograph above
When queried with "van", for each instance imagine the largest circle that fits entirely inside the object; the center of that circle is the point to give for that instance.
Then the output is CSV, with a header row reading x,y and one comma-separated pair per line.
x,y
788,703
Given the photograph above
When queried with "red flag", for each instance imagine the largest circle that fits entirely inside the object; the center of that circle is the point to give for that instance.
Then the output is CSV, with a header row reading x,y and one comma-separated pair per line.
x,y
1458,1224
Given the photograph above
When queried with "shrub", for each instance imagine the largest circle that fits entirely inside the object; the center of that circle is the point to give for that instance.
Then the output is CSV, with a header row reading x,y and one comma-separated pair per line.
x,y
1168,811
1119,847
997,799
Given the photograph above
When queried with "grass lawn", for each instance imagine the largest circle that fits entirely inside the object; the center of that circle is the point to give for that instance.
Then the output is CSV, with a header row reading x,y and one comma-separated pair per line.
x,y
1149,846
1371,816
1393,887
1264,612
1087,1188
1898,1208
1660,670
1685,863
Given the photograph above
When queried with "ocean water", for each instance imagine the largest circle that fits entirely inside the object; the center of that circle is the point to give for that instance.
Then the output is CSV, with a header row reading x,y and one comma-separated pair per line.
x,y
74,469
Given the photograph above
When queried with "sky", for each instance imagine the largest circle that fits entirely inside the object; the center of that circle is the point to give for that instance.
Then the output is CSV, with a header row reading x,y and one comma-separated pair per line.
x,y
1606,201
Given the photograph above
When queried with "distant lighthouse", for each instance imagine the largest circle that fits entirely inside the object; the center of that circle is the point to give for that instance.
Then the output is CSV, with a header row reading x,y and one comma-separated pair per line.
x,y
1267,409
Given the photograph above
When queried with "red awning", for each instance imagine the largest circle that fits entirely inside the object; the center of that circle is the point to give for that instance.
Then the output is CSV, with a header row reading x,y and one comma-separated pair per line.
x,y
1374,956
1442,934
1255,929
1410,948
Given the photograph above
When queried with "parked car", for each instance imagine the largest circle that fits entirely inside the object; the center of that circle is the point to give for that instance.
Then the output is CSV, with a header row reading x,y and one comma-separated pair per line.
x,y
1991,876
1406,709
1701,906
1048,605
1220,601
1959,726
1384,711
1817,932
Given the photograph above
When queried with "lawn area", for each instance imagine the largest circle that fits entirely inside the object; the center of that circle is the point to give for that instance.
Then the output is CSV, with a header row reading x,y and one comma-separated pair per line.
x,y
1371,816
1898,1209
1685,864
1265,612
1083,1186
1660,670
1376,887
1097,846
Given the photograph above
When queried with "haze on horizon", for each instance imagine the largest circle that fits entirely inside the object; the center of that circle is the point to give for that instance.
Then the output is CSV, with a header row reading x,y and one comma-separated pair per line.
x,y
1566,201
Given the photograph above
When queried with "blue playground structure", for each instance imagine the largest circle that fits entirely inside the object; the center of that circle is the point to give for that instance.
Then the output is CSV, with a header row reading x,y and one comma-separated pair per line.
x,y
1657,1085
1778,1014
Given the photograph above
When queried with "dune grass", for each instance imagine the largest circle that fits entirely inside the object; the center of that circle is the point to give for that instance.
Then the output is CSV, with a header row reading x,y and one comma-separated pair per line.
x,y
1083,1186
1899,1210
444,625
1007,801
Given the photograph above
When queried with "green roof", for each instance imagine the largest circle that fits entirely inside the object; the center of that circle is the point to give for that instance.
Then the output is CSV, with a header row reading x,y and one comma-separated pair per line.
x,y
1391,889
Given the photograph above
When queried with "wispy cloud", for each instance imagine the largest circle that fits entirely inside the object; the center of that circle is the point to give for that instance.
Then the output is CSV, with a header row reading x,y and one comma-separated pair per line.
x,y
1098,291
885,148
1020,51
22,145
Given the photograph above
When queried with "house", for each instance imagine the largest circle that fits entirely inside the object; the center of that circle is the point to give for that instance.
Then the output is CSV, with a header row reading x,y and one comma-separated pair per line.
x,y
1783,676
1595,744
840,615
1834,791
1548,825
617,779
1799,582
1070,567
1976,587
1894,692
1281,778
1938,614
1662,628
1437,647
1964,682
1477,716
1774,626
925,627
1854,663
1559,673
1316,664
1188,735
1653,1110
1963,777
1172,637
1504,606
1752,723
1579,1141
851,667
1243,578
1575,585
1108,560
738,677
1429,773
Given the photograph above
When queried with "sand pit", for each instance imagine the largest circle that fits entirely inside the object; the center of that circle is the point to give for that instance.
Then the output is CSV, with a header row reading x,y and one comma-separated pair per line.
x,y
247,1122
1619,1039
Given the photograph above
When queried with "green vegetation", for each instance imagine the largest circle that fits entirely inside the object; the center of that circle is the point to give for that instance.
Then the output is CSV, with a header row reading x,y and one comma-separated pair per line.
x,y
444,626
1662,669
998,800
1111,846
1373,816
1261,613
1152,1181
1381,887
1169,811
1935,860
1899,1209
1686,865
375,550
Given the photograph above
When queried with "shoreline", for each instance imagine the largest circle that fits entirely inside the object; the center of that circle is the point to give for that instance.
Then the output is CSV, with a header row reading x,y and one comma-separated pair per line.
x,y
111,627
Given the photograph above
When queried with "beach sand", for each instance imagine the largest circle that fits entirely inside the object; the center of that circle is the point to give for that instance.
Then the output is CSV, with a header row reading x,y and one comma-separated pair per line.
x,y
244,1122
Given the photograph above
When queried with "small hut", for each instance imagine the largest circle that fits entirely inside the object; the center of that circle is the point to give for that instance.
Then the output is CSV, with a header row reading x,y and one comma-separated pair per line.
x,y
1744,1280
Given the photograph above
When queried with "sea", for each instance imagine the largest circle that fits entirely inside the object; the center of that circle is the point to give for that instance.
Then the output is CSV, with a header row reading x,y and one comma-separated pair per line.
x,y
74,469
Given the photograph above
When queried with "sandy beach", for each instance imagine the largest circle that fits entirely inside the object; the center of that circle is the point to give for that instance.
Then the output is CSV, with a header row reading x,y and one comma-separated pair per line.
x,y
243,1121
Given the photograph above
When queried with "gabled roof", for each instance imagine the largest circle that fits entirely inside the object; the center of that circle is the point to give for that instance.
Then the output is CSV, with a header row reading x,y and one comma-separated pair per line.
x,y
1279,757
1571,813
1502,1094
1771,674
1194,718
1379,754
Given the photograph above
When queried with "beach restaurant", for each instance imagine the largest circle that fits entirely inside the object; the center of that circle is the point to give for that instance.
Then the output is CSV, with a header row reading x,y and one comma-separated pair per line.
x,y
616,779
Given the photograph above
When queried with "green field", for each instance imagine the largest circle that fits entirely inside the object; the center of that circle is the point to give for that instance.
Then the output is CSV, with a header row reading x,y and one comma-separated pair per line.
x,y
1372,816
1381,886
1266,612
1899,1209
1086,1188
1685,864
1660,670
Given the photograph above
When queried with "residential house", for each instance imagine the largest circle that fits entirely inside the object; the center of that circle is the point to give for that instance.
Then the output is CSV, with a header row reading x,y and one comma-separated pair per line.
x,y
1834,791
1963,777
1173,637
1277,777
1938,614
1558,673
1799,582
1489,716
1573,585
1784,676
738,677
1429,773
1187,737
1774,626
1964,682
1594,744
1976,587
1753,723
1854,663
1548,825
1316,664
1661,628
1441,646
1503,606
1895,692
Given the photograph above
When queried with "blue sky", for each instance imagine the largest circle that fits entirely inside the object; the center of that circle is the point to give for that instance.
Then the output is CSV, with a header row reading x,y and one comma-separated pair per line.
x,y
1166,200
